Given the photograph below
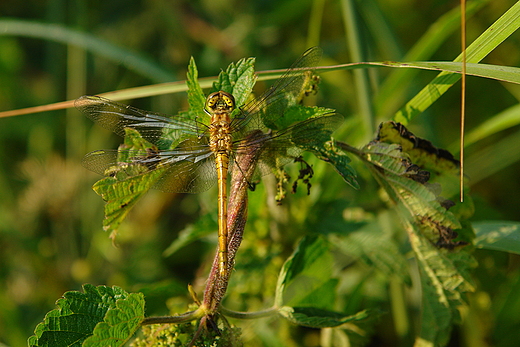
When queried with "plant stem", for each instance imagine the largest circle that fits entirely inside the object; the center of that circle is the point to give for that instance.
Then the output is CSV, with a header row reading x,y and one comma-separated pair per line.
x,y
249,315
243,169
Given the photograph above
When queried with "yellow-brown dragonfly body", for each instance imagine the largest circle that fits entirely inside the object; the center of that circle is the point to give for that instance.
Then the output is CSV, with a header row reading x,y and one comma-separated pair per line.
x,y
220,105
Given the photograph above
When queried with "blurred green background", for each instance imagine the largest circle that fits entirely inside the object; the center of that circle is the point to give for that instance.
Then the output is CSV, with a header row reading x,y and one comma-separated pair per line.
x,y
51,237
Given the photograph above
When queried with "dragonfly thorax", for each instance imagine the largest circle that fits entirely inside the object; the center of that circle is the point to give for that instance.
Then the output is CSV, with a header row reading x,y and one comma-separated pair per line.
x,y
219,105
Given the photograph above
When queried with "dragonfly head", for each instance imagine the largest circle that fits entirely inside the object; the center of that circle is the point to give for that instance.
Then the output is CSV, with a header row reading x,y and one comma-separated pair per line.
x,y
219,102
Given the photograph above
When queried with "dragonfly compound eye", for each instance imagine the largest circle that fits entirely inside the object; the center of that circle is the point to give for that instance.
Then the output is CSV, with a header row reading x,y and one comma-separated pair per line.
x,y
219,102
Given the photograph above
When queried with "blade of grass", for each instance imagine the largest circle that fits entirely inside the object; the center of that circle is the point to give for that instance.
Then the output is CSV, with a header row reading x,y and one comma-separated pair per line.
x,y
381,32
501,73
58,33
393,90
507,24
315,21
360,77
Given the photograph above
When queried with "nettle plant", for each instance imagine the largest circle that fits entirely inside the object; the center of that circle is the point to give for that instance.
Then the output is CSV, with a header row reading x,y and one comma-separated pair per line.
x,y
427,240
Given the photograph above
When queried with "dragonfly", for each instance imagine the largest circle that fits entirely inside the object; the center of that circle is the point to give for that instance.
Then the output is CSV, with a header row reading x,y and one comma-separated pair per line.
x,y
203,154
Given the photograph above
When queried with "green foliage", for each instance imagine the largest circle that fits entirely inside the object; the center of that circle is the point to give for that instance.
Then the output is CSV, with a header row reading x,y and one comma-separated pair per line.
x,y
238,79
306,287
122,190
101,316
310,267
196,98
392,263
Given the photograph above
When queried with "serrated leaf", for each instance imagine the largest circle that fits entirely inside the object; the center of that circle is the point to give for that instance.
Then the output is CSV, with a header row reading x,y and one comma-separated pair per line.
x,y
238,80
421,152
430,226
392,169
77,315
319,318
123,189
443,175
441,164
196,98
121,196
306,277
119,324
444,282
498,235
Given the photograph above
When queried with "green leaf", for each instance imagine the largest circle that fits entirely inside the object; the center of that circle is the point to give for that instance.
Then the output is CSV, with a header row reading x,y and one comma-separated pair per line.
x,y
123,188
306,277
121,196
78,314
444,281
298,113
443,168
421,152
196,98
319,318
506,25
403,184
498,235
120,322
329,153
431,231
238,80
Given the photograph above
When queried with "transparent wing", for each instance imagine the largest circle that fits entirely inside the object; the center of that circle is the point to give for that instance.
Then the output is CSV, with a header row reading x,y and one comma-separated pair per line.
x,y
189,168
281,147
115,117
270,106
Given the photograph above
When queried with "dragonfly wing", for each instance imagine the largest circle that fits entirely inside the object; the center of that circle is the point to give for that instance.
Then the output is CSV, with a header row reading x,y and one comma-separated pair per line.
x,y
287,90
188,177
311,132
186,169
281,147
115,117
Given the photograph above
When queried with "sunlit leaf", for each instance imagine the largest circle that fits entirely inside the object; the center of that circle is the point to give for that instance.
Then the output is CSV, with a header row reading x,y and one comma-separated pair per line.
x,y
122,192
119,324
498,235
100,316
196,98
238,80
